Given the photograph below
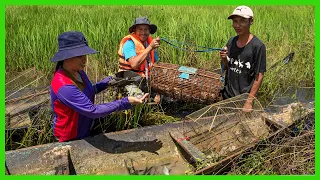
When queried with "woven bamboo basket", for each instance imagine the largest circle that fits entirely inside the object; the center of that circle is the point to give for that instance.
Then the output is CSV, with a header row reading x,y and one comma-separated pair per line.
x,y
202,86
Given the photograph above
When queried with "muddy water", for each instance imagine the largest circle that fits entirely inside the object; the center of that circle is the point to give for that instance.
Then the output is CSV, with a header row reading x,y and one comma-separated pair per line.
x,y
304,95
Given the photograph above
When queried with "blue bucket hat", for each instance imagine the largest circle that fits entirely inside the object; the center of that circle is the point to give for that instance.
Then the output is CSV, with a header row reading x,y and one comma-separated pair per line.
x,y
143,20
72,44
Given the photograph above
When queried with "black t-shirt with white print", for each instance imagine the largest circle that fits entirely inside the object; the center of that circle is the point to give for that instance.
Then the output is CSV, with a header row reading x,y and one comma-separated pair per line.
x,y
243,65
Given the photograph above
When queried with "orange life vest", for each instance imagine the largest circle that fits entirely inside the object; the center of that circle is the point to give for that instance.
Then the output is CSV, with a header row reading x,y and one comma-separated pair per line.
x,y
125,65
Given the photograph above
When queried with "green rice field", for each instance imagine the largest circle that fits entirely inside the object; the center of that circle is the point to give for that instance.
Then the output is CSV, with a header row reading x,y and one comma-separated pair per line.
x,y
31,37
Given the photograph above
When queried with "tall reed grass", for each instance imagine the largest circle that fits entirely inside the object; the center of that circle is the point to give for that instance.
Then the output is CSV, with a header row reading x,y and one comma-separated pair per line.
x,y
31,40
31,36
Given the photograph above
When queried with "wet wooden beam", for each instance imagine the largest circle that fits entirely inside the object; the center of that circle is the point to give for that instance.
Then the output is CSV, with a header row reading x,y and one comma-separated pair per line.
x,y
7,170
28,96
17,121
61,162
188,147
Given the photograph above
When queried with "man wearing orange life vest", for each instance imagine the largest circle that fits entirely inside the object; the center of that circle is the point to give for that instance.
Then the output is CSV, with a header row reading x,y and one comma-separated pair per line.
x,y
137,53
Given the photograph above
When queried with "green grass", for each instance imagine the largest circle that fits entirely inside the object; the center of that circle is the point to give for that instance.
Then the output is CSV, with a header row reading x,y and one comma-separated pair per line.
x,y
289,156
31,36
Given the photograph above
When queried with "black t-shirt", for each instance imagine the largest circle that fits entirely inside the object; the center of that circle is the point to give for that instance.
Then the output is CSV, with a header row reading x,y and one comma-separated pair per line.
x,y
243,65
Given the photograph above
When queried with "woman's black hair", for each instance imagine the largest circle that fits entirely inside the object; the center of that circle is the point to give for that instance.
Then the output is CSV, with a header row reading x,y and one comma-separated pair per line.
x,y
59,64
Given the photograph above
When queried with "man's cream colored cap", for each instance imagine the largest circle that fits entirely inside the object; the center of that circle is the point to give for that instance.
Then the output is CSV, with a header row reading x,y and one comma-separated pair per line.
x,y
242,11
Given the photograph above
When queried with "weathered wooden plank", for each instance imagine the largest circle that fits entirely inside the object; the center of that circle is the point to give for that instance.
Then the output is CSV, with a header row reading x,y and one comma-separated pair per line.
x,y
17,121
23,106
193,151
28,96
61,162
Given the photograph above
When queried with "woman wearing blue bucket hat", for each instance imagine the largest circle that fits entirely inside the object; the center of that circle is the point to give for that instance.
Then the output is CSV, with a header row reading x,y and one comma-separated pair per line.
x,y
72,94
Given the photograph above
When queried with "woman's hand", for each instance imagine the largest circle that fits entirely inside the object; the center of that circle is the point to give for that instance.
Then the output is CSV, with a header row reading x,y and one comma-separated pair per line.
x,y
134,100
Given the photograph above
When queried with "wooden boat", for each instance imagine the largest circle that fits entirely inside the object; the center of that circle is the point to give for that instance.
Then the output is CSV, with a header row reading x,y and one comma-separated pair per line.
x,y
162,149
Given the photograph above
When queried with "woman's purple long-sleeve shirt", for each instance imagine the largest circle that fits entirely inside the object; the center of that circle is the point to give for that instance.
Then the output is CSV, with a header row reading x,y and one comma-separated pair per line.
x,y
73,105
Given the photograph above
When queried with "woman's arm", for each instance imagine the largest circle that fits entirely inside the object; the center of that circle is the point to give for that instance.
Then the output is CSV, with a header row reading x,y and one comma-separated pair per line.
x,y
71,96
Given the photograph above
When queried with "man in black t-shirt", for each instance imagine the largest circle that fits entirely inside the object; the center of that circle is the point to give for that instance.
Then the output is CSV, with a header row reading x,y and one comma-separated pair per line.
x,y
244,58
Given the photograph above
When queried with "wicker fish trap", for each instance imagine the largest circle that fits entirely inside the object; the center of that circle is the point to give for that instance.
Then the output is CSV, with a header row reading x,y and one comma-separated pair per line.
x,y
226,127
186,85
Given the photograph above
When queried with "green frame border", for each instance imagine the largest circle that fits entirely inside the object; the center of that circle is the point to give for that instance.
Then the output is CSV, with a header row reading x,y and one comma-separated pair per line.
x,y
145,2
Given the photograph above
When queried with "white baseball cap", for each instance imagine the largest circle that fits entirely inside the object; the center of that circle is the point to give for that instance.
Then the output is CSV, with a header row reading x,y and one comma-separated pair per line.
x,y
243,11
